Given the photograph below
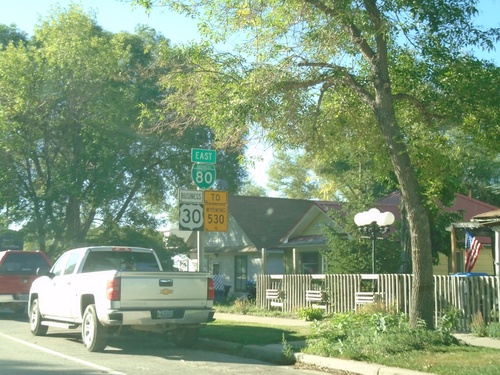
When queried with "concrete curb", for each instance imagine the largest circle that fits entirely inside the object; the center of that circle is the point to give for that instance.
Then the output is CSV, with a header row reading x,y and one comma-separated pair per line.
x,y
361,368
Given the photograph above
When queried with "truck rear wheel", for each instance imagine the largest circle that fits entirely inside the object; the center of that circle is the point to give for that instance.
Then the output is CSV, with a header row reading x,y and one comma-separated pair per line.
x,y
185,337
94,334
36,326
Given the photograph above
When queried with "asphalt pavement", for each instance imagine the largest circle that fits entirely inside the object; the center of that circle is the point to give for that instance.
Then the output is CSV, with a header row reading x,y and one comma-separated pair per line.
x,y
275,352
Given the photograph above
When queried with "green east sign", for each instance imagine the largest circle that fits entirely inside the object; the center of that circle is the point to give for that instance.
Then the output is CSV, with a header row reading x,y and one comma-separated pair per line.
x,y
199,155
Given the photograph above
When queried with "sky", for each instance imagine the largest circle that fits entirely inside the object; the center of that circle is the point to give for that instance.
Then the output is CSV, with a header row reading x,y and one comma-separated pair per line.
x,y
116,15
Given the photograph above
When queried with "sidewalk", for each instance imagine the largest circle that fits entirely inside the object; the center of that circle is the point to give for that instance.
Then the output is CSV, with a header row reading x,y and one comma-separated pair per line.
x,y
274,352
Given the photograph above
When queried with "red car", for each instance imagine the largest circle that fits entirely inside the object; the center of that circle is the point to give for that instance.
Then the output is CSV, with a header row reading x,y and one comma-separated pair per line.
x,y
17,272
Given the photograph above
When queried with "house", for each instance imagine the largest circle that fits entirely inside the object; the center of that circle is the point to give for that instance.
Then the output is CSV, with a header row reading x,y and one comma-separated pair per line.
x,y
485,227
469,208
284,236
256,226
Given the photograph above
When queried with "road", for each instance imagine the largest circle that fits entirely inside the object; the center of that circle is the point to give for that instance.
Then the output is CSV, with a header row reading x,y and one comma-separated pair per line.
x,y
61,352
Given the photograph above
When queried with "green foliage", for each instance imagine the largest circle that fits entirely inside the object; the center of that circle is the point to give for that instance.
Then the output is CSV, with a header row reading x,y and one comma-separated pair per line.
x,y
82,144
493,330
449,321
11,240
291,174
478,326
11,34
439,220
349,253
140,237
287,350
251,189
311,313
369,337
243,306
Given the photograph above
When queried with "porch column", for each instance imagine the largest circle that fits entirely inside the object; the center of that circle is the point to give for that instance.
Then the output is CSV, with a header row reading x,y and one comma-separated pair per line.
x,y
497,261
453,250
263,261
497,250
294,261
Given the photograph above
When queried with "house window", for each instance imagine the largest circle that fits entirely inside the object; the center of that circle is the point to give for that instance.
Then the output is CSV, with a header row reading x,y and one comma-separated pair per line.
x,y
310,262
240,273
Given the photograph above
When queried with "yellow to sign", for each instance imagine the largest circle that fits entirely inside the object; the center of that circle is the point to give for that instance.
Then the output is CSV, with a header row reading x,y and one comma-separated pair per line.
x,y
215,213
215,197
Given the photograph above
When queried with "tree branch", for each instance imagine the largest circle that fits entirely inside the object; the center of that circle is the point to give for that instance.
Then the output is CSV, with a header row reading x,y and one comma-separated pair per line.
x,y
350,28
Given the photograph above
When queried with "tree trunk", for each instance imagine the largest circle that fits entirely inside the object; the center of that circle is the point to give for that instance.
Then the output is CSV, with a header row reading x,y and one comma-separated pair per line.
x,y
405,236
422,301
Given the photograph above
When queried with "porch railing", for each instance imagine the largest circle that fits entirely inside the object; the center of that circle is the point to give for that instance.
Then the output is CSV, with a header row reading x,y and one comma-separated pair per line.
x,y
467,295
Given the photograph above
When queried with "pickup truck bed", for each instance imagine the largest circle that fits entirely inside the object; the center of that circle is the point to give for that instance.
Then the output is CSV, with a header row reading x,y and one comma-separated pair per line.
x,y
103,288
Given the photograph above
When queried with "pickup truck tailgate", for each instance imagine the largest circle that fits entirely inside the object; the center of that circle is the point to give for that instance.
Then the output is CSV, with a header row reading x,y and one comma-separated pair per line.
x,y
164,289
13,284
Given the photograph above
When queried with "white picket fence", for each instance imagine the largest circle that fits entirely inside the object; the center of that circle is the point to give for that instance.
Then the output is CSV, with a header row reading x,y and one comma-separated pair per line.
x,y
346,292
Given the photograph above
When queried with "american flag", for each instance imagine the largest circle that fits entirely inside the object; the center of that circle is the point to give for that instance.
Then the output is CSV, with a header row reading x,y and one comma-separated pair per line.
x,y
472,249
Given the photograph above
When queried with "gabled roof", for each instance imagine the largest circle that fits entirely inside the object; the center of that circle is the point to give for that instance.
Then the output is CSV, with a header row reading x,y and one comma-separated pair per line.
x,y
265,220
470,207
295,236
495,214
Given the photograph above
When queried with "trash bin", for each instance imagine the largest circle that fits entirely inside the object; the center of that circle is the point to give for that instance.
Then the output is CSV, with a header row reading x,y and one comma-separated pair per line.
x,y
219,295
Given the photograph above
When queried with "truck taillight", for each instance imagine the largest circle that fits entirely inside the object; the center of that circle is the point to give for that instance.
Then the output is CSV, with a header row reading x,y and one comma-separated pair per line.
x,y
210,289
113,290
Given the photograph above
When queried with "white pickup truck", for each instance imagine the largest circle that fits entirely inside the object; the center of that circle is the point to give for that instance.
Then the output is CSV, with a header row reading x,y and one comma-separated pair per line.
x,y
103,288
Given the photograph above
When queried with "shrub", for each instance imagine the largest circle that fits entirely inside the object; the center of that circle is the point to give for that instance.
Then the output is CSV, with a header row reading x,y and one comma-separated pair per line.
x,y
449,321
493,330
310,313
368,337
478,327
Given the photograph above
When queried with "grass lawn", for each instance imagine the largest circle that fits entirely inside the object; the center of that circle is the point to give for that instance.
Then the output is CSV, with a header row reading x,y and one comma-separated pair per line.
x,y
463,360
252,333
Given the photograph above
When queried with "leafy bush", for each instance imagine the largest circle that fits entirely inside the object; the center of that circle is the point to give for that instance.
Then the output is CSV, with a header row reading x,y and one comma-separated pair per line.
x,y
449,321
368,337
478,327
493,330
244,306
310,313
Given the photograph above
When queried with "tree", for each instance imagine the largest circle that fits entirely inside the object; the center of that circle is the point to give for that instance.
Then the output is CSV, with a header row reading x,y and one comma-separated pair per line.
x,y
77,151
349,252
388,58
292,174
131,236
249,188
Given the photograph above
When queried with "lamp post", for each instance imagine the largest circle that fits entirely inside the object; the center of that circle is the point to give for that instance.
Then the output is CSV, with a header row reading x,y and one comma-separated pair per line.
x,y
372,223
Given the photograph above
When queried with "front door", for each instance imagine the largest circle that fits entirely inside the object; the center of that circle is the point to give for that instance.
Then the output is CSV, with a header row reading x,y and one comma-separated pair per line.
x,y
240,273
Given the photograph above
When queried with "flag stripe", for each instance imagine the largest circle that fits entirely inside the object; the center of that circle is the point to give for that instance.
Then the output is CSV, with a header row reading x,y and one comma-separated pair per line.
x,y
472,249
